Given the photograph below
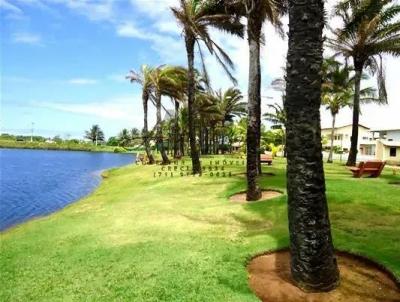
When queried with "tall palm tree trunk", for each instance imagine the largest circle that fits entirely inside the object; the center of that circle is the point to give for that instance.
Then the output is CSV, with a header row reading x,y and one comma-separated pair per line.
x,y
145,99
196,167
313,264
330,157
182,143
201,137
212,140
351,160
176,132
223,137
254,91
160,141
259,168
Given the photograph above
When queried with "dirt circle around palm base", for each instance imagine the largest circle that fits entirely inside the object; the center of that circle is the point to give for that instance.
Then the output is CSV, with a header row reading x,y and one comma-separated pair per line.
x,y
266,194
360,281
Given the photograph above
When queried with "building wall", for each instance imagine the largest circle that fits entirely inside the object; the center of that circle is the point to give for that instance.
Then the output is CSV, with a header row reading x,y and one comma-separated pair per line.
x,y
379,150
383,153
392,159
393,135
343,137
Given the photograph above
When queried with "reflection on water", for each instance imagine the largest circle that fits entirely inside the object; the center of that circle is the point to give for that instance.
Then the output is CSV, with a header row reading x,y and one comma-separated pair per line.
x,y
37,182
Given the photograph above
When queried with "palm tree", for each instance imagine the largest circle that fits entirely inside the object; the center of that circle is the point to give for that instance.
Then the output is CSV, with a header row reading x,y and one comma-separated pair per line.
x,y
166,80
178,97
183,121
370,29
95,134
195,17
278,118
313,263
134,133
338,91
256,12
208,116
143,79
124,138
230,105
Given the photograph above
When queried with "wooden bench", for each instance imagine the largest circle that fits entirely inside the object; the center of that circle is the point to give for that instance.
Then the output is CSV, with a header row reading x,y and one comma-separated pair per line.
x,y
372,168
266,158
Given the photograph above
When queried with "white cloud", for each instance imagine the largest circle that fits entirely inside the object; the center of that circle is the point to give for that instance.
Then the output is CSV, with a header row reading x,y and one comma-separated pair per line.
x,y
155,9
129,30
9,7
93,10
27,38
168,26
82,81
118,108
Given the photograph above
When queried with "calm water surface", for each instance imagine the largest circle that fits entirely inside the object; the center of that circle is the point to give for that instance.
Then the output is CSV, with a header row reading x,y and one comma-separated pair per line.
x,y
37,182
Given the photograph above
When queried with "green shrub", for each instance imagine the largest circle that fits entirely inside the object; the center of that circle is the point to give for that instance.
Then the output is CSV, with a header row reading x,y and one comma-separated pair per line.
x,y
119,150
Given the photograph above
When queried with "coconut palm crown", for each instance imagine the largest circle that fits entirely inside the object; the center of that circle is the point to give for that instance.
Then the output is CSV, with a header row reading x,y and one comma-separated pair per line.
x,y
370,29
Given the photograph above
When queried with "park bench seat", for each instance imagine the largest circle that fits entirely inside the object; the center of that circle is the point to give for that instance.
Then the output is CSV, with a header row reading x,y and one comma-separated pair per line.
x,y
266,158
372,168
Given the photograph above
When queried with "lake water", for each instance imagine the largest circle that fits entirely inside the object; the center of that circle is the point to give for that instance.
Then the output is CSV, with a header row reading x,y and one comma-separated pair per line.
x,y
38,182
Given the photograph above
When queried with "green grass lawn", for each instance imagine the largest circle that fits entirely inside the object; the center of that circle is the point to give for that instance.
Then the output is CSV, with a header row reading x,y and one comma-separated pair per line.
x,y
140,238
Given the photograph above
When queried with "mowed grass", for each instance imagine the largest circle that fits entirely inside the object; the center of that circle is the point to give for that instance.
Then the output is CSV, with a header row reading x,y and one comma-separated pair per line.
x,y
140,238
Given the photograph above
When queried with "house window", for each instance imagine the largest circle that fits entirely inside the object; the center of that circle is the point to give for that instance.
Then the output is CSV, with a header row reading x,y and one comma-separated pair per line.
x,y
392,152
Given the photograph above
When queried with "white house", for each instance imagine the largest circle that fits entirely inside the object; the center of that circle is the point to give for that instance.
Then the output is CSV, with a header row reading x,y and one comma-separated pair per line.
x,y
342,139
387,145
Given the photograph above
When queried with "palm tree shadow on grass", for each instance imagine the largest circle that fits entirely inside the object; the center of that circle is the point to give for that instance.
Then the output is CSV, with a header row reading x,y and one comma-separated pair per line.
x,y
266,216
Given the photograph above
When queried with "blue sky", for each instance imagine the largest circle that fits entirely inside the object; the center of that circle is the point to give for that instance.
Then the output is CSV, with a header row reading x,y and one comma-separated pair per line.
x,y
63,64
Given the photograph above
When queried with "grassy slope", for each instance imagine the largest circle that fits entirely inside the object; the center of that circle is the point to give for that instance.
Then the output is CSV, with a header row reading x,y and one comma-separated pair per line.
x,y
143,239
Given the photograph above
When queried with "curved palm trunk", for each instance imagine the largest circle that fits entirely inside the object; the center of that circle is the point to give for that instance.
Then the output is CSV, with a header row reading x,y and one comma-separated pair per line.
x,y
330,157
313,264
145,99
254,91
160,141
351,160
196,167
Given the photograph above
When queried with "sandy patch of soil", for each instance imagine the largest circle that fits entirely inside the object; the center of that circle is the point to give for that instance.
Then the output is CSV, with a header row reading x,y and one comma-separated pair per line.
x,y
361,281
266,194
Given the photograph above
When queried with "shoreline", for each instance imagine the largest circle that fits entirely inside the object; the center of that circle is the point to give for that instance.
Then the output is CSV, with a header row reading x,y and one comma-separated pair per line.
x,y
53,147
101,175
